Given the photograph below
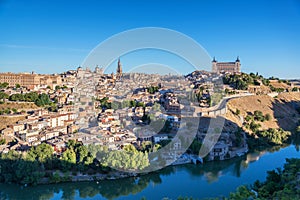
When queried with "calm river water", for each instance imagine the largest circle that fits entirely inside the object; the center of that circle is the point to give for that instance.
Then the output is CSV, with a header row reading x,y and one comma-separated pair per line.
x,y
214,179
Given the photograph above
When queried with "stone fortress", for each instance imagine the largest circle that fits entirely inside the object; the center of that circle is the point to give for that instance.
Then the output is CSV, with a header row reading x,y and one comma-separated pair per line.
x,y
231,67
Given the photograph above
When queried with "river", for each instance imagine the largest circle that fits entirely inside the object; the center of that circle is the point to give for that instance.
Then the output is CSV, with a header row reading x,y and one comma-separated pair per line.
x,y
213,179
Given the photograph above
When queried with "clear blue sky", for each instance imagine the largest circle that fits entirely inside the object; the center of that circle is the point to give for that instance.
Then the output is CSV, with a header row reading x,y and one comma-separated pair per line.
x,y
53,36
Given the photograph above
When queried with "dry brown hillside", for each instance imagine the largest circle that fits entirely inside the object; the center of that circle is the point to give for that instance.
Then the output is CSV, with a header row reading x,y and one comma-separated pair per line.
x,y
6,120
19,105
281,108
278,84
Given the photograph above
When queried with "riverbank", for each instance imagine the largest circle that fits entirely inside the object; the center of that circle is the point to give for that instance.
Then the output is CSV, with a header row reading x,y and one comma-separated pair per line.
x,y
81,177
188,180
62,177
185,159
39,166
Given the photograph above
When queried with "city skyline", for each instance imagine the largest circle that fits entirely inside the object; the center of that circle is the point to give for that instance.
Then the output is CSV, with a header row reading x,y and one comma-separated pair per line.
x,y
52,37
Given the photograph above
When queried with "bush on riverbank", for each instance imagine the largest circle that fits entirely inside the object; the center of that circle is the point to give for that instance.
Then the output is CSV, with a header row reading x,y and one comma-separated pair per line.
x,y
40,162
257,137
268,138
279,184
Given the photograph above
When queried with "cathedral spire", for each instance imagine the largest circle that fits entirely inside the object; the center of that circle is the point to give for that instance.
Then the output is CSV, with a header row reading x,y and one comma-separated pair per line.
x,y
214,60
119,69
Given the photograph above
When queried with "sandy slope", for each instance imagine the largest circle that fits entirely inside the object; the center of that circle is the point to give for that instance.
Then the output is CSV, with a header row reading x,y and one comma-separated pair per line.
x,y
281,108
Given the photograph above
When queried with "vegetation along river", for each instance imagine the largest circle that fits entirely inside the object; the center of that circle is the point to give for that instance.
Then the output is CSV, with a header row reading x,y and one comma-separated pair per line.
x,y
213,179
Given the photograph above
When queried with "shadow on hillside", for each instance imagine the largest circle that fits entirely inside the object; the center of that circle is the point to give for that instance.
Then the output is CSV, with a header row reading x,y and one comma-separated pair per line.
x,y
286,114
225,124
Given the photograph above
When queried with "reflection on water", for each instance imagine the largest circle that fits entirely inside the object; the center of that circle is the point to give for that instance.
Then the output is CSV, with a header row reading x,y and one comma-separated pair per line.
x,y
232,172
296,141
107,189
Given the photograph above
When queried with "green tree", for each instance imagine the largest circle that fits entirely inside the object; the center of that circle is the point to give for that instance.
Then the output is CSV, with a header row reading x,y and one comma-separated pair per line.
x,y
4,85
140,104
195,147
268,117
82,153
15,168
57,87
2,141
156,147
40,153
133,103
55,178
69,159
7,111
258,115
242,193
146,146
3,96
248,118
89,159
31,96
16,97
72,144
127,159
295,89
43,100
254,126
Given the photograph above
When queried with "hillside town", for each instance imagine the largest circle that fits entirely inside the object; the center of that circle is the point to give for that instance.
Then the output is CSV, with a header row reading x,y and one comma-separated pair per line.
x,y
116,110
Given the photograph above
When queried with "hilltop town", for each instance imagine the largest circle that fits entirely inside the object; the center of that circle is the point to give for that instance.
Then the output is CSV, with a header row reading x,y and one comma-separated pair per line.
x,y
142,110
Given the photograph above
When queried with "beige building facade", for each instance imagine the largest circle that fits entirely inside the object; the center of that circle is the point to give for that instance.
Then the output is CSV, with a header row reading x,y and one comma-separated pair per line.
x,y
230,67
30,80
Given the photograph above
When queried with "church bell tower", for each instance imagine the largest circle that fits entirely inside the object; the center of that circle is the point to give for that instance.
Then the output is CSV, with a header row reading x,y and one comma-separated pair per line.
x,y
119,69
